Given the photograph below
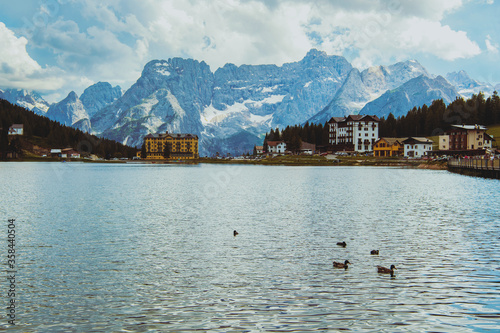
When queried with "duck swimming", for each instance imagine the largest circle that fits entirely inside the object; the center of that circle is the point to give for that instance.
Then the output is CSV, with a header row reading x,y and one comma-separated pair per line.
x,y
235,233
343,244
385,270
341,265
374,252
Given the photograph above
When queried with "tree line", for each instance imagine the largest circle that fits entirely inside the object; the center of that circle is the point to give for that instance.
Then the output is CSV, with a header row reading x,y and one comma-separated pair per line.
x,y
295,135
435,119
420,121
51,134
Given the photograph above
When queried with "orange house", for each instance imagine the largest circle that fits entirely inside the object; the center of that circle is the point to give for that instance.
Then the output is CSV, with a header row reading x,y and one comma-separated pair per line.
x,y
385,147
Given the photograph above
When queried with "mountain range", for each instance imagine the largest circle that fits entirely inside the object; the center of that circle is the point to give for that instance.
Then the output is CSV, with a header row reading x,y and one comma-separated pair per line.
x,y
232,108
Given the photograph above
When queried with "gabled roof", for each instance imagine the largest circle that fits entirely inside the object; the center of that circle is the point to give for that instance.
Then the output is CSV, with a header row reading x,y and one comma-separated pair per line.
x,y
172,135
306,145
392,141
274,143
181,135
336,119
470,127
418,140
354,117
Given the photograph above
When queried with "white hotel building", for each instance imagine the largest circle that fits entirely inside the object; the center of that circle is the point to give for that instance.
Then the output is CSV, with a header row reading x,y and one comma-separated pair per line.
x,y
354,133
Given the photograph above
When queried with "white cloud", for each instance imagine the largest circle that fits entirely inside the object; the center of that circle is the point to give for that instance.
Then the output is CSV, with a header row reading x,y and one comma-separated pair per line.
x,y
13,53
96,54
490,45
111,41
18,69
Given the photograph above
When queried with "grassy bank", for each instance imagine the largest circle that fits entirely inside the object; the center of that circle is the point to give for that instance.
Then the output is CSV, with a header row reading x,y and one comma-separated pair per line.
x,y
300,160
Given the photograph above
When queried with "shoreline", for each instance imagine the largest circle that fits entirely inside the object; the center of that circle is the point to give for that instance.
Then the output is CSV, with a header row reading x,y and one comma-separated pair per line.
x,y
294,160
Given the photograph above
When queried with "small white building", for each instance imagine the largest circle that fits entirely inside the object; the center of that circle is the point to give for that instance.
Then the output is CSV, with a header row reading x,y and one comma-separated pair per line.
x,y
417,147
16,129
276,147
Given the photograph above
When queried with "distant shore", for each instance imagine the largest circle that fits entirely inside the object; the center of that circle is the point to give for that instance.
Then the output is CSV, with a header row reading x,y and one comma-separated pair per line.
x,y
289,160
300,160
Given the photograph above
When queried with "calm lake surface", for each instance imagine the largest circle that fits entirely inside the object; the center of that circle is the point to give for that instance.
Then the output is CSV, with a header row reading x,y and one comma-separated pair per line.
x,y
150,248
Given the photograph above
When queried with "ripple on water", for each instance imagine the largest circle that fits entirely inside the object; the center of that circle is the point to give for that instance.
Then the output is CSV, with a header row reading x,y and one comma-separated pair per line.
x,y
162,257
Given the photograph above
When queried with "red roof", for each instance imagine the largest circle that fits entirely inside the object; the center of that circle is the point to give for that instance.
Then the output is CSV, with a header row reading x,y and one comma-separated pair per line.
x,y
274,143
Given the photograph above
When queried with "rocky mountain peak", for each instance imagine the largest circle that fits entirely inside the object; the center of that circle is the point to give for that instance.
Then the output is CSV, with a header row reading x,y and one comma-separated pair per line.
x,y
68,111
72,97
28,99
98,96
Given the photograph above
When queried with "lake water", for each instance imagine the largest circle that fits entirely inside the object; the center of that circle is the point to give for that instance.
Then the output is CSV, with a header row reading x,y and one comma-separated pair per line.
x,y
150,248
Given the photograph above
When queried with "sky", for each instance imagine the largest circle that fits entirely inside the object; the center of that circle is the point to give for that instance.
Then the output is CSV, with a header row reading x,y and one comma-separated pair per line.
x,y
58,46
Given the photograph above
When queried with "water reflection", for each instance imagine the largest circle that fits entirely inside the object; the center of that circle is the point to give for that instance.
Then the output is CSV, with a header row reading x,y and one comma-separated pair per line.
x,y
141,247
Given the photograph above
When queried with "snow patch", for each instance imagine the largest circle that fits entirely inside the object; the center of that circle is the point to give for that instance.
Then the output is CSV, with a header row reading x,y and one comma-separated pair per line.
x,y
148,103
126,140
307,84
175,104
153,123
269,89
356,105
274,99
260,119
163,71
212,115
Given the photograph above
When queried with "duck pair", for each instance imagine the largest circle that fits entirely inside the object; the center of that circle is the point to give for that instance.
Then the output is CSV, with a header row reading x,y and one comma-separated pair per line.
x,y
380,269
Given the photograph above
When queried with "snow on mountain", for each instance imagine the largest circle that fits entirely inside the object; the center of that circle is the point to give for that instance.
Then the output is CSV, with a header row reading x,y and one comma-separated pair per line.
x,y
351,97
416,92
230,109
69,112
381,78
361,88
27,99
169,96
467,86
99,95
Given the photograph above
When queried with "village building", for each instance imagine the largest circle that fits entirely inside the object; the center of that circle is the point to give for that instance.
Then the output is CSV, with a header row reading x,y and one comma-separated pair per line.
x,y
354,133
307,148
417,147
179,146
259,150
388,147
16,129
64,153
465,137
276,147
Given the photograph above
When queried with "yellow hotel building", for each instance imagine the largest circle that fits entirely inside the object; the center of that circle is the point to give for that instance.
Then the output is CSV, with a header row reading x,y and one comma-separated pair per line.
x,y
180,146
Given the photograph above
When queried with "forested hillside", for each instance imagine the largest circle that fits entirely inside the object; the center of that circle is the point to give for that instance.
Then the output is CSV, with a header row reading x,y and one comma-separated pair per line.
x,y
436,118
50,134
